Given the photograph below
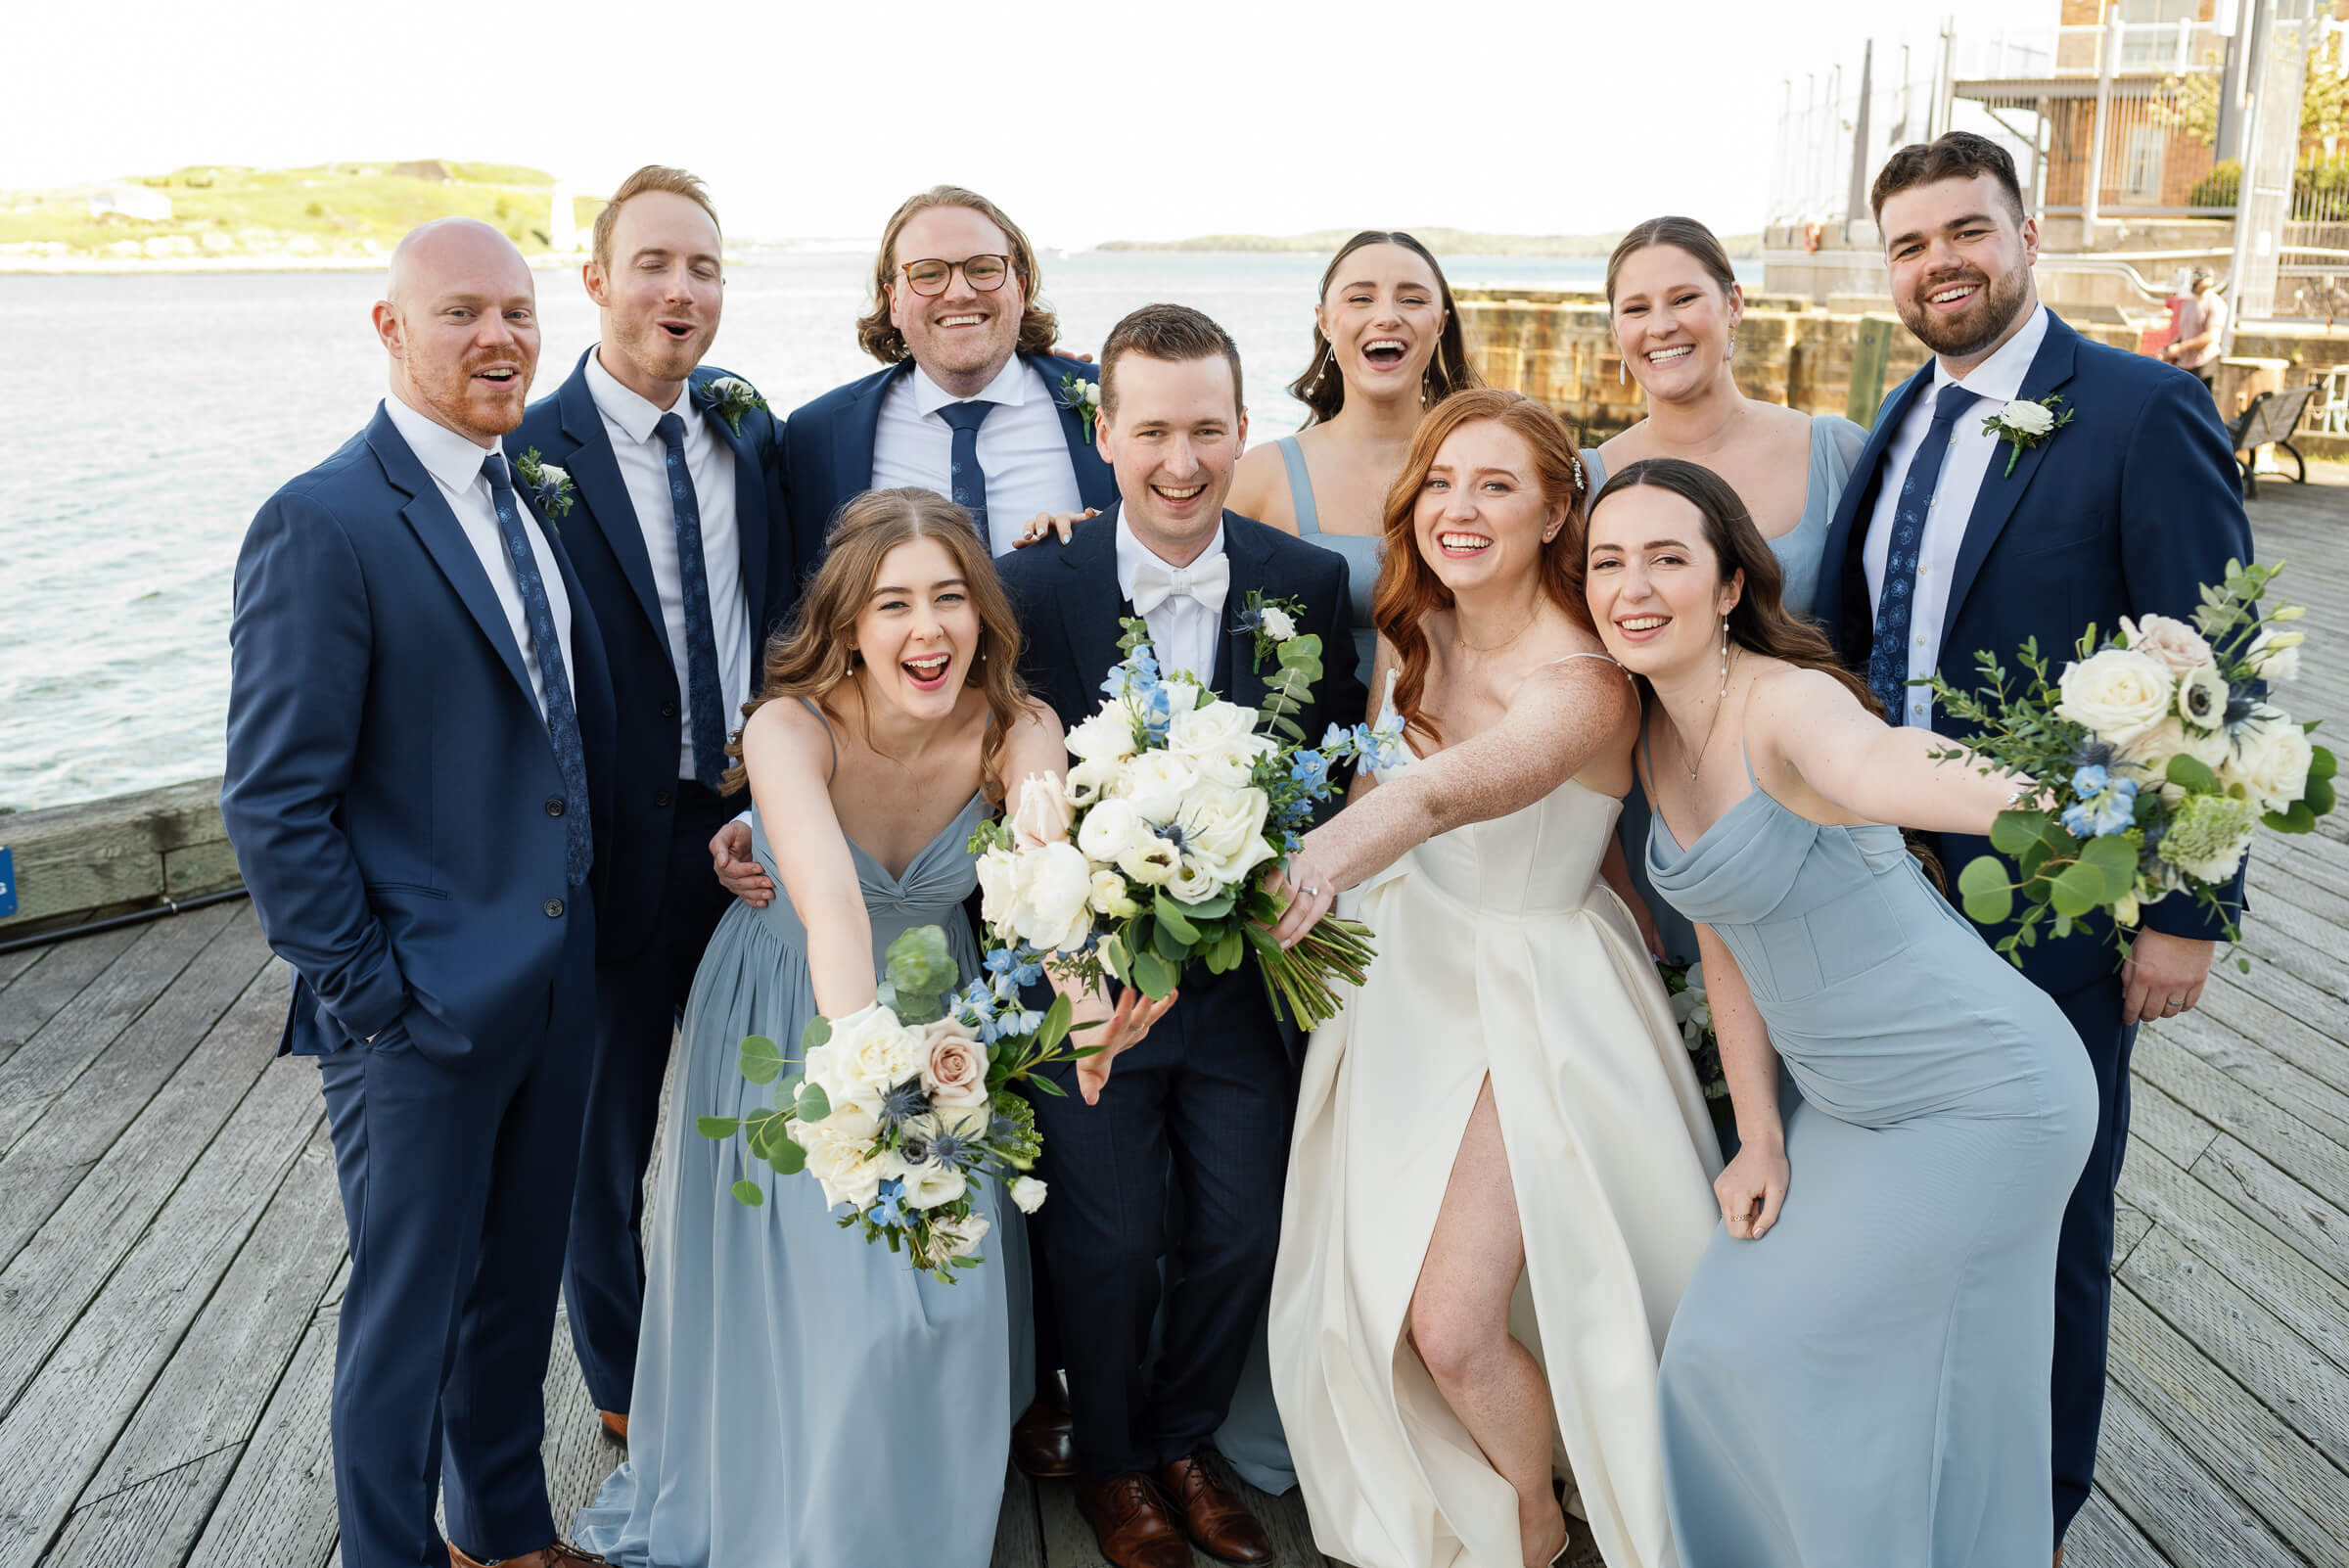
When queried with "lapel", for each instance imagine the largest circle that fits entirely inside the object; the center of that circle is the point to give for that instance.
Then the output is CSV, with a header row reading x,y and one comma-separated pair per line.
x,y
1090,607
1096,485
749,514
1237,679
595,471
2002,491
443,538
852,434
1847,538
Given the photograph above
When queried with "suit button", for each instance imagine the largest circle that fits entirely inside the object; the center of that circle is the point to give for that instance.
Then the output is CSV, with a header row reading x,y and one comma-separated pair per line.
x,y
669,708
554,806
660,797
554,909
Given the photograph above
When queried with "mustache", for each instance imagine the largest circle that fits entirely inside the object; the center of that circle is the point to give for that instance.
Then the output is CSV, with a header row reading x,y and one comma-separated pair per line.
x,y
1944,280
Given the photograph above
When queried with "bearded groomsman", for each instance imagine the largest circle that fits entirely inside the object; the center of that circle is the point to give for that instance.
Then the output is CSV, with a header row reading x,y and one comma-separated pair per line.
x,y
1949,540
419,753
679,533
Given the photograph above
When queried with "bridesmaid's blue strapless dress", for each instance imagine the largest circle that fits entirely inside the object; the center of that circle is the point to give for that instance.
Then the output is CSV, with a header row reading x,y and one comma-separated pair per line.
x,y
804,1399
1866,1385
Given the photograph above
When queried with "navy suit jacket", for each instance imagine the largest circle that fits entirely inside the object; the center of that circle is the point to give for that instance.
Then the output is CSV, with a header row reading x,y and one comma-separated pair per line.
x,y
605,545
392,791
2126,511
830,442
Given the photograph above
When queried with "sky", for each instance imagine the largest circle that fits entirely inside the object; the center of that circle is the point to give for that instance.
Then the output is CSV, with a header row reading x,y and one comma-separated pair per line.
x,y
1087,122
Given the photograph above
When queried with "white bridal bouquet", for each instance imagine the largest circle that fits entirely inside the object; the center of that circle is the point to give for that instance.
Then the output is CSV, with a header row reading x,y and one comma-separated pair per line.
x,y
2161,755
1151,855
898,1109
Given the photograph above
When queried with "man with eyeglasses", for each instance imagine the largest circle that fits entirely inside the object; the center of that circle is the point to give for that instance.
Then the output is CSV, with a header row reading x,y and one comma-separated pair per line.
x,y
974,404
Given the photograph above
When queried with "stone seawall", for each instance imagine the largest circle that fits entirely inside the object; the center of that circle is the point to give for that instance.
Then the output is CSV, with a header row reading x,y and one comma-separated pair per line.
x,y
126,853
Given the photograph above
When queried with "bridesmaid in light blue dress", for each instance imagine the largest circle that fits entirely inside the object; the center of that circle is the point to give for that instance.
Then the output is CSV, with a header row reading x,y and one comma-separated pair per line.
x,y
1856,1375
805,1399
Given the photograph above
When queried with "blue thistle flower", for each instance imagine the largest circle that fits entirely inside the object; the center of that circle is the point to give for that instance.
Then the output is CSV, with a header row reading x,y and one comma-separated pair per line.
x,y
903,1102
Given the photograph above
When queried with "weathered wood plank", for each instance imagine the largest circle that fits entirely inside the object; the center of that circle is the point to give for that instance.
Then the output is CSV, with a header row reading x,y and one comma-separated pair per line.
x,y
55,1275
2179,1505
41,991
2316,1227
2310,1301
220,1379
152,1525
2292,1065
56,1432
2129,1226
576,1454
2102,1537
2290,1143
2282,1371
13,964
76,1128
44,1065
279,1505
2159,1122
2301,1495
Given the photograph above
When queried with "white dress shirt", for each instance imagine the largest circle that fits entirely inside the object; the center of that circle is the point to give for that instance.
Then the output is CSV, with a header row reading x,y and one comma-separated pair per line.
x,y
1182,631
1021,447
1973,449
631,422
455,465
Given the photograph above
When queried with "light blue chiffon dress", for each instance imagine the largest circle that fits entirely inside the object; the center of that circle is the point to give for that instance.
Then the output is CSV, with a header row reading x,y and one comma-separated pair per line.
x,y
804,1399
1361,553
1866,1385
1835,446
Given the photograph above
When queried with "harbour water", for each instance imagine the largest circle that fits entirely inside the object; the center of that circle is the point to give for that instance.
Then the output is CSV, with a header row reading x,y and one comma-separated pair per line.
x,y
144,418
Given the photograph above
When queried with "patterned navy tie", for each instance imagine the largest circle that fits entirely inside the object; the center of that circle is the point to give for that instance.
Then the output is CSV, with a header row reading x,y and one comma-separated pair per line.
x,y
969,478
562,719
705,699
1896,605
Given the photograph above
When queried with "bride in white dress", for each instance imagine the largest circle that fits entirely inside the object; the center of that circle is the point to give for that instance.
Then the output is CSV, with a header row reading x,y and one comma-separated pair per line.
x,y
1500,1176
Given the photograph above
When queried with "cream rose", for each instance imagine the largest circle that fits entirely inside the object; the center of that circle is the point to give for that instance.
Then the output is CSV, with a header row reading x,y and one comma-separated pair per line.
x,y
1109,829
999,887
2174,645
2269,760
1042,816
1048,907
1154,783
1028,1194
1109,896
2031,419
1224,829
1220,742
839,1149
1106,737
1193,882
2119,694
1277,624
869,1052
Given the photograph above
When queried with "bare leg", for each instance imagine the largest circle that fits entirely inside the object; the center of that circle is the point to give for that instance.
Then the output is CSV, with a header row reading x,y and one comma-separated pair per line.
x,y
1460,1328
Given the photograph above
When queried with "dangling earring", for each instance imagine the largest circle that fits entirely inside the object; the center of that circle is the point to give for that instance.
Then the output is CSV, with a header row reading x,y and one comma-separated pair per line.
x,y
1732,348
1623,370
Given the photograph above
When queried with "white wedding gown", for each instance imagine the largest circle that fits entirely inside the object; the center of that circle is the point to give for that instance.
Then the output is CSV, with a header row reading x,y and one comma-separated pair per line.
x,y
1500,952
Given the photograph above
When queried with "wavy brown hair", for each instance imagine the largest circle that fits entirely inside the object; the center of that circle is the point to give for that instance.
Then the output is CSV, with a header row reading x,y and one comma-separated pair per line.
x,y
1758,621
809,656
1322,385
1039,328
1409,587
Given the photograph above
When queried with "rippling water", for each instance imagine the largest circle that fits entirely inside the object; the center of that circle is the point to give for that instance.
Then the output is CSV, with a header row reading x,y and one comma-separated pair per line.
x,y
144,419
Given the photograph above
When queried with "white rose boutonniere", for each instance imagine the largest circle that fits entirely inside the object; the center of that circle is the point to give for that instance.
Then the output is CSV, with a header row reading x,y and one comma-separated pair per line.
x,y
1271,622
2024,425
549,487
1082,399
730,397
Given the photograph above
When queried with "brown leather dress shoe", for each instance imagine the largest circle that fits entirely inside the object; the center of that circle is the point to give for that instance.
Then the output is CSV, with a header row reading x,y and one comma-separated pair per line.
x,y
1131,1521
1217,1522
1043,1441
616,1426
557,1555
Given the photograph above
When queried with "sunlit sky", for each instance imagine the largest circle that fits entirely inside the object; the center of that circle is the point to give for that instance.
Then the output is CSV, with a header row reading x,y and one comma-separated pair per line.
x,y
1089,122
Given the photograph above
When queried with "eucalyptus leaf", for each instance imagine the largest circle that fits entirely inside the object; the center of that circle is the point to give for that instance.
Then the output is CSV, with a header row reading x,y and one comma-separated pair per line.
x,y
2079,889
2193,774
1169,946
761,1059
817,1033
1213,908
788,1158
2321,761
814,1103
747,1191
716,1126
2114,859
2317,796
2012,833
1989,897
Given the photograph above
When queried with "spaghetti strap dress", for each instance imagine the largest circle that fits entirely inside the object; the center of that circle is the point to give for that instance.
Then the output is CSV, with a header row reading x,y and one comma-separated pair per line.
x,y
1361,551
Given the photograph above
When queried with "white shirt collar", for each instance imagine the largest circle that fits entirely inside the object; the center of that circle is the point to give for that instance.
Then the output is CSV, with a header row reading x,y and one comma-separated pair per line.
x,y
2000,376
453,460
1132,551
635,414
1009,388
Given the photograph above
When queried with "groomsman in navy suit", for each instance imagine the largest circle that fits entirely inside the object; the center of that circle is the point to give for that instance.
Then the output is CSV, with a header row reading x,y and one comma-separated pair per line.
x,y
1206,1100
1949,542
680,537
420,736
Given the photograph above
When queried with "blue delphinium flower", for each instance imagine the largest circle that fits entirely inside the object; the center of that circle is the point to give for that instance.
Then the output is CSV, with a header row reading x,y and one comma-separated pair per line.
x,y
1310,769
2109,807
889,1209
2090,781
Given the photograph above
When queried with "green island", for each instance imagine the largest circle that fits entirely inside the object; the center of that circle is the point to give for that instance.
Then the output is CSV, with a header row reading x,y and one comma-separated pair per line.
x,y
1441,241
329,215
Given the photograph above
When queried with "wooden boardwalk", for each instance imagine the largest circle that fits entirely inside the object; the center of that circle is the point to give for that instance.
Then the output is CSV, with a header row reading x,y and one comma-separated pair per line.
x,y
171,1245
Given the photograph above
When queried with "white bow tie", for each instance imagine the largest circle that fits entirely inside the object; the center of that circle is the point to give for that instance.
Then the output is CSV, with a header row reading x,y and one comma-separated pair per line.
x,y
1155,583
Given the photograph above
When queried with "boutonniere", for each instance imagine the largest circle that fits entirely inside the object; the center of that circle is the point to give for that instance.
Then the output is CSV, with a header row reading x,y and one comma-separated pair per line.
x,y
1082,399
730,397
549,485
2023,426
1270,622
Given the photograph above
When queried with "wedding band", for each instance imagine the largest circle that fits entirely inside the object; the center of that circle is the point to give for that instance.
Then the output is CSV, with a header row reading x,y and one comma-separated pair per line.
x,y
1309,890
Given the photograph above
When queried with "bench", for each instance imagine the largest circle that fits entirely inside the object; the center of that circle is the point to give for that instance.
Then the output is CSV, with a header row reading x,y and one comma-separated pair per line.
x,y
2269,421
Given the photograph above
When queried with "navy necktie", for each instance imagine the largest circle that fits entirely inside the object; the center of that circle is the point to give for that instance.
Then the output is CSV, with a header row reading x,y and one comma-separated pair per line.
x,y
562,719
705,697
969,478
1896,605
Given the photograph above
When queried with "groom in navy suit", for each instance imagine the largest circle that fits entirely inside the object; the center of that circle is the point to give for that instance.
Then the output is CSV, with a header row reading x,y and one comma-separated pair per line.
x,y
1949,541
680,537
418,785
1207,1097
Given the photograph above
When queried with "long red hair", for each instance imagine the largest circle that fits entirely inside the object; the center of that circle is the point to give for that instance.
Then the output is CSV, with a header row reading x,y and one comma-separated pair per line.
x,y
1409,587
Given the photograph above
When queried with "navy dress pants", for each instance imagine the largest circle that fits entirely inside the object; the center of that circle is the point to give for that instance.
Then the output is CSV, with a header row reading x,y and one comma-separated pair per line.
x,y
2084,1255
455,1159
641,997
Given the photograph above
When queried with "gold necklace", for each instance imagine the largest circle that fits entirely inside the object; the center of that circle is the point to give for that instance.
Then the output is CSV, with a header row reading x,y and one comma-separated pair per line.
x,y
1531,616
1718,704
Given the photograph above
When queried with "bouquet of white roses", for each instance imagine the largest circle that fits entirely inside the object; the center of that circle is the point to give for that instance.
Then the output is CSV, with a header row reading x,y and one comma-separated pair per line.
x,y
1692,1010
2160,756
896,1110
1153,850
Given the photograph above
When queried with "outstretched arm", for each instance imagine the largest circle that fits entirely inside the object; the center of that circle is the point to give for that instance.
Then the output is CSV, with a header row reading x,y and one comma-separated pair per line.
x,y
1807,722
1561,719
787,753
